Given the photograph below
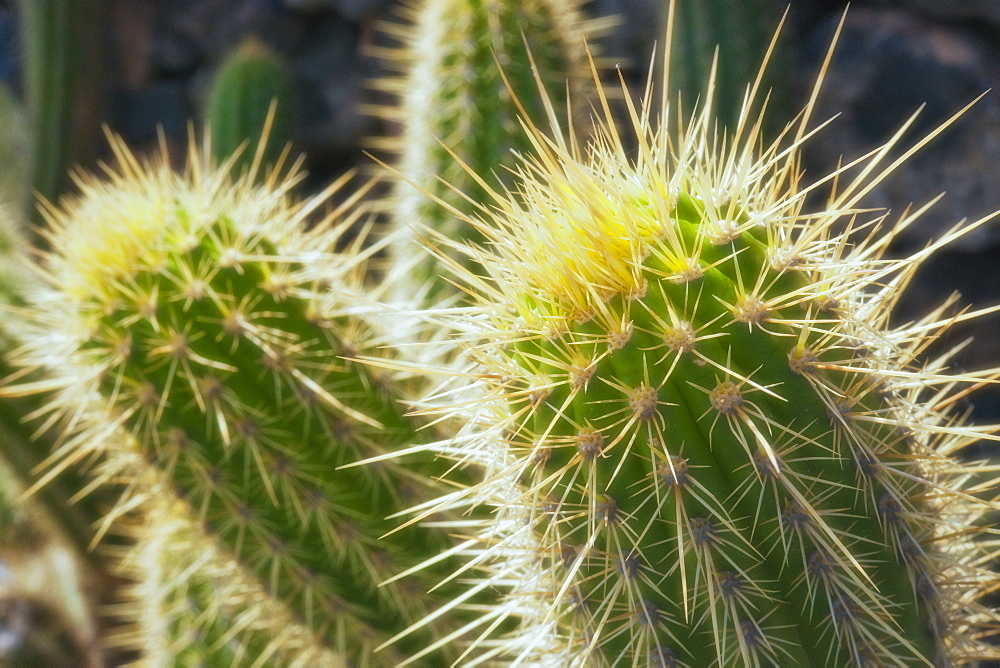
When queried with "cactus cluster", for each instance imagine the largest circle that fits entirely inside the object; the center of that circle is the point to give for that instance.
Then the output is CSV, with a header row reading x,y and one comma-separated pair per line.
x,y
675,425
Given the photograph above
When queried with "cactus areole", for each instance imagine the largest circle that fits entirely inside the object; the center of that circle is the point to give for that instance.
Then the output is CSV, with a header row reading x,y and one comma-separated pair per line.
x,y
723,452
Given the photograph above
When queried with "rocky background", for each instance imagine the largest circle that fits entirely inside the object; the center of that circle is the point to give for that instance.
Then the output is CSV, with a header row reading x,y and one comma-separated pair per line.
x,y
150,64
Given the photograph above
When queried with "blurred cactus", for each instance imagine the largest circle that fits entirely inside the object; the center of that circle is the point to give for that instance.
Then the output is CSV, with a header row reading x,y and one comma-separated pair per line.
x,y
454,98
14,145
47,608
246,86
724,40
52,58
192,605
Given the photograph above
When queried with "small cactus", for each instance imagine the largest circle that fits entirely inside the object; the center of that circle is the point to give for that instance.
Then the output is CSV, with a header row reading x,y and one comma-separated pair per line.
x,y
707,443
239,105
191,319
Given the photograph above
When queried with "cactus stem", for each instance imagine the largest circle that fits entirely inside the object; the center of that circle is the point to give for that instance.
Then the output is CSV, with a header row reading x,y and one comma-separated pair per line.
x,y
705,441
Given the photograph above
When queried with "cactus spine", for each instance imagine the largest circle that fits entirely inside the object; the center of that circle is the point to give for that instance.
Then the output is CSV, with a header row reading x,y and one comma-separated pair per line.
x,y
204,330
707,443
453,97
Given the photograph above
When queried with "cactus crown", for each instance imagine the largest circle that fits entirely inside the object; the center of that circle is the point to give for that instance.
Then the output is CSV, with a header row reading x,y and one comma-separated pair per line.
x,y
708,444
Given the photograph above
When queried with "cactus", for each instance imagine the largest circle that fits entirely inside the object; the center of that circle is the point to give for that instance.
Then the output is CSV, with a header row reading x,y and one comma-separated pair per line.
x,y
730,37
47,614
706,442
13,146
190,319
453,97
191,604
251,80
50,32
23,450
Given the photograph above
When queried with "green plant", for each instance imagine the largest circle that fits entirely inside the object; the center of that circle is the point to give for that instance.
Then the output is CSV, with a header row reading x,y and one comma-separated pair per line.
x,y
724,40
248,83
50,34
190,319
191,604
705,442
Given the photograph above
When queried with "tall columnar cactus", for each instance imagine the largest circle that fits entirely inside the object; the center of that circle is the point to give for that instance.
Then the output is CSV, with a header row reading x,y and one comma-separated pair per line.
x,y
730,37
707,442
453,97
50,36
192,320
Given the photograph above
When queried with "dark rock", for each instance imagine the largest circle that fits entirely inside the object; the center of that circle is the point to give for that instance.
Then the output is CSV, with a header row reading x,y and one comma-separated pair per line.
x,y
328,68
987,11
9,56
137,114
352,10
175,53
887,65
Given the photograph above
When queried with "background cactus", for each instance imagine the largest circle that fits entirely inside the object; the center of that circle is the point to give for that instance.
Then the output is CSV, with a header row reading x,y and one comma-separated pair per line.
x,y
453,97
204,329
729,38
47,605
239,105
192,605
51,75
707,442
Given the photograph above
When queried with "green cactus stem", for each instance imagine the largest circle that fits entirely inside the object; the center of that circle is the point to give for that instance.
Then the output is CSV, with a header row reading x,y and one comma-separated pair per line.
x,y
453,98
207,331
729,38
238,112
50,35
708,444
14,145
